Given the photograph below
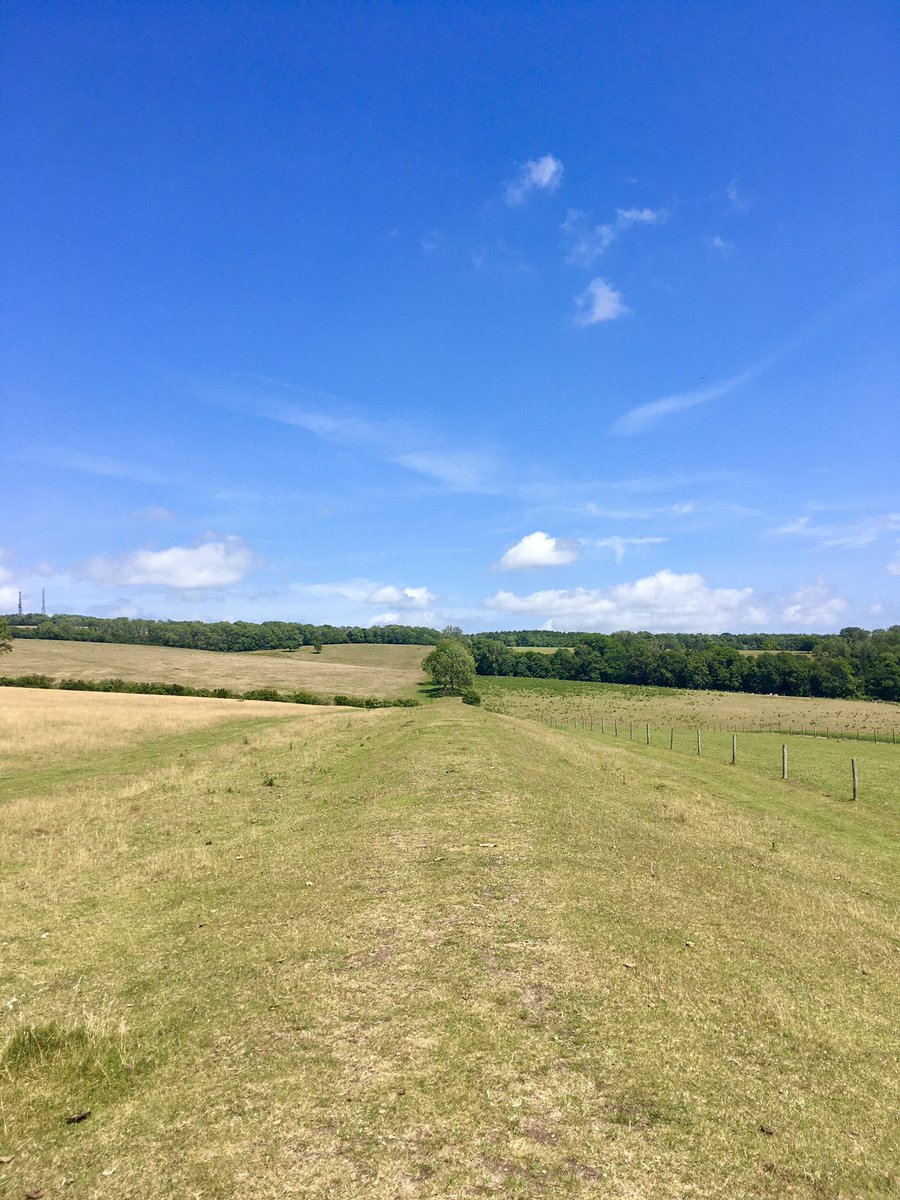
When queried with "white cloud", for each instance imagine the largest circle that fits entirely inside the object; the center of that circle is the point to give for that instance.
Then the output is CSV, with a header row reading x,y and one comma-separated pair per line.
x,y
853,535
366,591
664,601
154,513
893,568
672,602
718,243
589,243
539,550
408,597
543,173
736,198
210,564
637,420
92,464
460,470
618,545
599,302
9,599
812,607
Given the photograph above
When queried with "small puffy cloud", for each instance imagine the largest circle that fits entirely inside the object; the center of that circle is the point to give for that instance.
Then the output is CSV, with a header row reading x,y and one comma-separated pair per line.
x,y
599,302
408,597
9,599
543,174
893,568
539,550
736,198
210,564
719,244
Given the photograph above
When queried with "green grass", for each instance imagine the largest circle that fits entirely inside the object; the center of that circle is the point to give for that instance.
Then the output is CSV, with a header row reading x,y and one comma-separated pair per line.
x,y
443,953
557,699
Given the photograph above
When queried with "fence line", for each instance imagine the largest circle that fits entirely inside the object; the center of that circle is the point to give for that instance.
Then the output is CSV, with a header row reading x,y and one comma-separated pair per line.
x,y
578,720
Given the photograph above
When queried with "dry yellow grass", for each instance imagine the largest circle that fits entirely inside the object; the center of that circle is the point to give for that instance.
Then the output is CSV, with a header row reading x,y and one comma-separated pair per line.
x,y
39,727
444,954
352,670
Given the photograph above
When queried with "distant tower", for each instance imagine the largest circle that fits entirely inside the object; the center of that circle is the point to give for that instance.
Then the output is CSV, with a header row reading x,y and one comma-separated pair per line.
x,y
20,604
43,602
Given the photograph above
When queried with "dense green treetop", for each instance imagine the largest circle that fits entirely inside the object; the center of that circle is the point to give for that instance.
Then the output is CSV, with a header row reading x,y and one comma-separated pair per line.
x,y
451,665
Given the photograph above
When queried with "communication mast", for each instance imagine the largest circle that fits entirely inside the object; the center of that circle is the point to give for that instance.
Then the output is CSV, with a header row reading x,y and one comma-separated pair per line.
x,y
20,604
43,602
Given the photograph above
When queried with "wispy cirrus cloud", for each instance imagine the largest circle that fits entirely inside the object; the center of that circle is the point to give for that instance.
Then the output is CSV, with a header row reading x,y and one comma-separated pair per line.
x,y
852,535
589,242
329,417
91,464
460,470
619,545
538,174
645,416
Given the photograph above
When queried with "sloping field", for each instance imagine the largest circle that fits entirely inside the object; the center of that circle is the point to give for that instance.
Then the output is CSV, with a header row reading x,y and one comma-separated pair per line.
x,y
352,670
58,731
442,953
543,699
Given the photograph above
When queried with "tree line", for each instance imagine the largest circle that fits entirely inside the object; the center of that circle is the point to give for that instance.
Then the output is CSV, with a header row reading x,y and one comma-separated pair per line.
x,y
852,664
214,635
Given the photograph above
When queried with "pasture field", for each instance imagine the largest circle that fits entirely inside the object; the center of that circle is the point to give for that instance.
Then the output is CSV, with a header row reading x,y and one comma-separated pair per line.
x,y
351,670
439,953
49,731
562,700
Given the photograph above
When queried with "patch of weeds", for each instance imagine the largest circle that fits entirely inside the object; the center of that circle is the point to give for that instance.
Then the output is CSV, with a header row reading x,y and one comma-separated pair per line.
x,y
638,1109
268,780
66,1070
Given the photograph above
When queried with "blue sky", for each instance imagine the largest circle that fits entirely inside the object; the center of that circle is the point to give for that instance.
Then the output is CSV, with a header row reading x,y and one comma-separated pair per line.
x,y
566,315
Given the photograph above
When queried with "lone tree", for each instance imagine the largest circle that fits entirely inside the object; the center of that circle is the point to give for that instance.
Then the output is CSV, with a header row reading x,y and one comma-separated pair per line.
x,y
451,665
5,637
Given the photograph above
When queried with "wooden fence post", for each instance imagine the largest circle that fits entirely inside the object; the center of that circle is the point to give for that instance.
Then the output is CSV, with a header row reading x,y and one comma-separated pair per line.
x,y
617,728
699,743
648,735
855,779
672,738
784,773
733,748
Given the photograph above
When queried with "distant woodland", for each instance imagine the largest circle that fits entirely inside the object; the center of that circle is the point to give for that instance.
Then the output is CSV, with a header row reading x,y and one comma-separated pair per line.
x,y
853,663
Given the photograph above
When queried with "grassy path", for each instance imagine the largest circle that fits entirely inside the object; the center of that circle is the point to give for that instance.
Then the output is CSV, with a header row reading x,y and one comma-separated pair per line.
x,y
441,953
